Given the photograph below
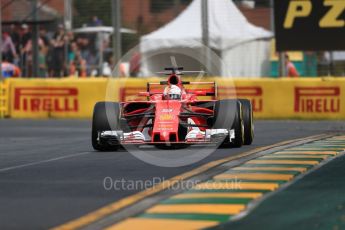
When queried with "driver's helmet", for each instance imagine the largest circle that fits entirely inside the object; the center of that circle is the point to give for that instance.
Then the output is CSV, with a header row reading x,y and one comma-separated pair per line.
x,y
172,92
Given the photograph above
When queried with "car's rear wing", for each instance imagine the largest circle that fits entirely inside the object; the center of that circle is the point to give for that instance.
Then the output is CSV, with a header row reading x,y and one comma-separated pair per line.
x,y
197,88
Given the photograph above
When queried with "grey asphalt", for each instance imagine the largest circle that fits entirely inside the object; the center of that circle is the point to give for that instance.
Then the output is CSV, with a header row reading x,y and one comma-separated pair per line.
x,y
49,173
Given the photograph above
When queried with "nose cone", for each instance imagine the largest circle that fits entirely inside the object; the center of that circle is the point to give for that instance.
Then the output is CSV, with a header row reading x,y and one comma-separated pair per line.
x,y
168,137
165,136
166,122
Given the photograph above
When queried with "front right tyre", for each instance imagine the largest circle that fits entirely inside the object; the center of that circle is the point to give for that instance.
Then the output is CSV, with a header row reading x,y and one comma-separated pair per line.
x,y
247,114
228,115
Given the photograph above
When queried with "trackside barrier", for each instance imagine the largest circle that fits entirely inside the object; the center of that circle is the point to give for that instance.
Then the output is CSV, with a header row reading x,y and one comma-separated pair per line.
x,y
304,98
4,98
55,98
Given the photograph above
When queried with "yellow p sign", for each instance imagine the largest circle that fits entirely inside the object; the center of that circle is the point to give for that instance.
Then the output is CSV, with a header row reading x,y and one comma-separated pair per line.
x,y
297,9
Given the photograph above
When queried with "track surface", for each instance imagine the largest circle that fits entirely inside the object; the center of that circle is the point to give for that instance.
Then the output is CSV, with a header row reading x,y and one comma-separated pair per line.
x,y
321,194
49,173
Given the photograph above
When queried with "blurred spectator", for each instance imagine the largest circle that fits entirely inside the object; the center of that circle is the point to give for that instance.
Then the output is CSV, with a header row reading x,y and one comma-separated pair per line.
x,y
290,67
73,49
107,71
87,53
27,51
9,69
70,37
95,21
15,37
310,64
42,63
43,56
44,36
25,37
77,65
50,61
58,54
134,64
8,49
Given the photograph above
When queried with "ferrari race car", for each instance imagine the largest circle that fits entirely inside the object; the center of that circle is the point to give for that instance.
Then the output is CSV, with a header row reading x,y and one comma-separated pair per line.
x,y
173,115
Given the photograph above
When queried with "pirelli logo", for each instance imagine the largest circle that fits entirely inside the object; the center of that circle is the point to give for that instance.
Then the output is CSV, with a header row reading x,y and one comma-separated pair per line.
x,y
252,93
46,99
317,100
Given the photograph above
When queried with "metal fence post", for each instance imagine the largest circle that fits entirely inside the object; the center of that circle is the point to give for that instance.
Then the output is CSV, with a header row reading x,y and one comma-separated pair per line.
x,y
116,19
35,38
205,33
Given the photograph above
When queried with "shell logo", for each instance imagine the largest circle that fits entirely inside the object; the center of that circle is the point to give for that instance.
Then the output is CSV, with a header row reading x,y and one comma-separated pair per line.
x,y
166,117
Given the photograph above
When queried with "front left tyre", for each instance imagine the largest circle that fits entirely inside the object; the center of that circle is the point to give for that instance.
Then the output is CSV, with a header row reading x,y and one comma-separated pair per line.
x,y
105,118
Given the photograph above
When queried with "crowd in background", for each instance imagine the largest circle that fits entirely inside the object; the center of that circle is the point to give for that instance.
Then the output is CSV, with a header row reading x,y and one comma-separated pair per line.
x,y
60,53
63,53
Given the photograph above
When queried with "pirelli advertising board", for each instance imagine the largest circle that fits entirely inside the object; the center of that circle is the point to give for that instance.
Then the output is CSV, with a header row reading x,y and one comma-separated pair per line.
x,y
314,98
56,98
310,24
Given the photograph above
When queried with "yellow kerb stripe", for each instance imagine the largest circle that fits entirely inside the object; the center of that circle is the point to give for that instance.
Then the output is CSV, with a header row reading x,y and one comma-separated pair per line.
x,y
237,185
331,143
283,162
329,140
295,156
337,138
218,195
158,224
255,176
272,169
308,152
316,148
228,209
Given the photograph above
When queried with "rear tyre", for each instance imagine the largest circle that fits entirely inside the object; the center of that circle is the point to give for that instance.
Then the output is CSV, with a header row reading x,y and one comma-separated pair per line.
x,y
100,122
247,114
228,115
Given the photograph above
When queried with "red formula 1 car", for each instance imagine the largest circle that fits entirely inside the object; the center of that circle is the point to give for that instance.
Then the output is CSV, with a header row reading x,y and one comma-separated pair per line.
x,y
172,116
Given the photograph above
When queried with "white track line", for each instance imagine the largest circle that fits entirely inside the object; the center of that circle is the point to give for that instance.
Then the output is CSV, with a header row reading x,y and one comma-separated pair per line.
x,y
42,162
